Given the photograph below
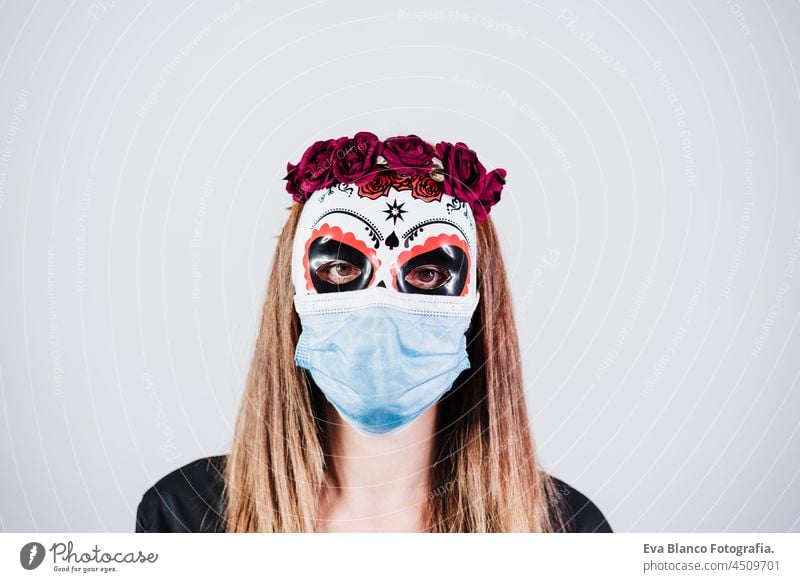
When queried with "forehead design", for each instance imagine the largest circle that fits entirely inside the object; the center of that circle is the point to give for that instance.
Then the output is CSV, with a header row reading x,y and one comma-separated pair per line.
x,y
389,222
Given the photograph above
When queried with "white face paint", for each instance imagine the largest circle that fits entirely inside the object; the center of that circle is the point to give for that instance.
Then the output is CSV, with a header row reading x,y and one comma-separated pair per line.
x,y
413,240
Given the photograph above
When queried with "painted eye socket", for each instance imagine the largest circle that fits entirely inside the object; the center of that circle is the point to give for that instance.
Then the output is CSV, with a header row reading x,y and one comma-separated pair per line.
x,y
428,277
338,272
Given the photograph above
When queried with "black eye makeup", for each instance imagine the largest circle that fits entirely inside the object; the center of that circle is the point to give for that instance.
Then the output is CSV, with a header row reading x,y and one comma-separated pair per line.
x,y
335,266
441,271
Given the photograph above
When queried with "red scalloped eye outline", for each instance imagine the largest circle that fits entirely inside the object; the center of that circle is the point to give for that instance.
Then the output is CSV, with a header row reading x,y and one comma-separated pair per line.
x,y
431,243
348,238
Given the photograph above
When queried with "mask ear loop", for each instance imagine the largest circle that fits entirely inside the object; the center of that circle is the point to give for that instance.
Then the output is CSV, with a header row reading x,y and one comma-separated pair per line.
x,y
474,311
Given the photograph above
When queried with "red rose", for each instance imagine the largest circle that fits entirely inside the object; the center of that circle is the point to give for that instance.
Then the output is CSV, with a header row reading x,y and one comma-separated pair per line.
x,y
293,183
402,181
408,154
490,194
426,188
409,161
354,159
464,175
378,186
315,170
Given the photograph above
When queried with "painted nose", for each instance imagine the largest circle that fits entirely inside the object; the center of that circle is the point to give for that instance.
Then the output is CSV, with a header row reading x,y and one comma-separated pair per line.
x,y
381,284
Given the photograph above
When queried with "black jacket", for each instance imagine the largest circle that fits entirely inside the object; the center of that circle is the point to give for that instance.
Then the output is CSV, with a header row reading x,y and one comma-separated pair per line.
x,y
189,499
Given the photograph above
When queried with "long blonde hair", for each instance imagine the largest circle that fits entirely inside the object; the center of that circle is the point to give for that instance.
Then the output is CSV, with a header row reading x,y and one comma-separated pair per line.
x,y
485,478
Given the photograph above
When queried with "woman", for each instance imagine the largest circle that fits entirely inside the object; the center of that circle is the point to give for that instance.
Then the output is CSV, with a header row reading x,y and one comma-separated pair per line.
x,y
385,392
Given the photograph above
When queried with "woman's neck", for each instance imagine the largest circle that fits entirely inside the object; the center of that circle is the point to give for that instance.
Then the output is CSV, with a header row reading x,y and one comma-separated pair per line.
x,y
379,482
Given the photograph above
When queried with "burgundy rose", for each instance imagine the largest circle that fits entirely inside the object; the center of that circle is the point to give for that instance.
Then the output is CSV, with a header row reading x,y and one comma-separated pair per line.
x,y
354,159
490,195
426,188
315,170
378,186
293,182
408,154
409,161
464,175
402,181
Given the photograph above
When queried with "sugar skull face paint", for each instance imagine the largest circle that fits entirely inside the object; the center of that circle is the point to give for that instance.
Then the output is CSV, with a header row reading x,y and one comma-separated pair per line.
x,y
352,238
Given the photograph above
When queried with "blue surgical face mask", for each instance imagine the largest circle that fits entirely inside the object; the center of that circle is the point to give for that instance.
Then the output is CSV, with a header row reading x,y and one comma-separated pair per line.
x,y
380,357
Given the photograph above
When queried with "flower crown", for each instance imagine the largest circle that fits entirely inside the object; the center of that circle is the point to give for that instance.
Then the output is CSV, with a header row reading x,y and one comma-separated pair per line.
x,y
404,162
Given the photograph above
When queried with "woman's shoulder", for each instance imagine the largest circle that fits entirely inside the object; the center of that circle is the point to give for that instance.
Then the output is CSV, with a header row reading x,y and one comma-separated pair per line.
x,y
579,513
188,499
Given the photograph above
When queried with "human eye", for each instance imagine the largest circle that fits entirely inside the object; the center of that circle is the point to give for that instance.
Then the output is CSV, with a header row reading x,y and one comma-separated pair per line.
x,y
338,272
428,277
